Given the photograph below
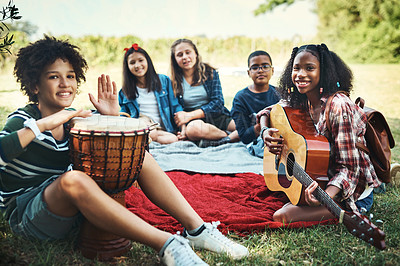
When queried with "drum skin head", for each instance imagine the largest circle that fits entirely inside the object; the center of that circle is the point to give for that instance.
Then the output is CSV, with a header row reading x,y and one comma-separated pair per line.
x,y
108,125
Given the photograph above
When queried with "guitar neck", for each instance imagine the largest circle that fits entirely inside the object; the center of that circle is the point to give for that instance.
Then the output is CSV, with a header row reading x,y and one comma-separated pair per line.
x,y
319,193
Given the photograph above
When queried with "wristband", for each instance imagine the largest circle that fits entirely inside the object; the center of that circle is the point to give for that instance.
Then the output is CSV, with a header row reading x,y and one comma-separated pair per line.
x,y
262,131
31,124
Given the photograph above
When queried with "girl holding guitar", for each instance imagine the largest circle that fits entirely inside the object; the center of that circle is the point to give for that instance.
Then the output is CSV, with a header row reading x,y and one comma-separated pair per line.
x,y
311,76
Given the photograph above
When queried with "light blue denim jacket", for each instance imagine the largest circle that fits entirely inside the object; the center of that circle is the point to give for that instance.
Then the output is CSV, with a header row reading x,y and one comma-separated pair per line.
x,y
168,104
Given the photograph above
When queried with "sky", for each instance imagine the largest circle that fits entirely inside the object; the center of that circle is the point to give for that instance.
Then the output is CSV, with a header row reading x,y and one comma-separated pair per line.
x,y
152,19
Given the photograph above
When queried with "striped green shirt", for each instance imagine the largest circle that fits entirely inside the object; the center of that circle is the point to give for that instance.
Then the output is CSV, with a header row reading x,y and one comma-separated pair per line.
x,y
24,168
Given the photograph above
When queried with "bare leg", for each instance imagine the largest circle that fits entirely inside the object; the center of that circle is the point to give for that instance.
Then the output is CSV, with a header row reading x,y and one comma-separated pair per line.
x,y
163,137
198,129
291,213
234,136
159,188
75,191
231,126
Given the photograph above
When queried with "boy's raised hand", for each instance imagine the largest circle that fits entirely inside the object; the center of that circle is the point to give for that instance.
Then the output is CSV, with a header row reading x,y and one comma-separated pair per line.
x,y
107,103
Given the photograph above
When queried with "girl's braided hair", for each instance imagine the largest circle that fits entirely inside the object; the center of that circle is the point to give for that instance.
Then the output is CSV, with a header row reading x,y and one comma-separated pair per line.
x,y
335,75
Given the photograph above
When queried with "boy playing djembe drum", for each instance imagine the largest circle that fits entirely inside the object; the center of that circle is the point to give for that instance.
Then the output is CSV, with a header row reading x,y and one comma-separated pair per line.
x,y
43,198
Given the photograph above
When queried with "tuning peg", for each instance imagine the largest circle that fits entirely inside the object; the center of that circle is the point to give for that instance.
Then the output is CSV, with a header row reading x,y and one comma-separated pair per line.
x,y
379,222
371,216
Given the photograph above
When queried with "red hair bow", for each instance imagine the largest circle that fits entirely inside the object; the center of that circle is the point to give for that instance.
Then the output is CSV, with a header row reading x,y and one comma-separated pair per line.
x,y
134,46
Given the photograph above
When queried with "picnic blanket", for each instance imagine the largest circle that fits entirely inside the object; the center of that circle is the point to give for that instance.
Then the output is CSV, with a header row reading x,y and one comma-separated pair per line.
x,y
230,158
241,202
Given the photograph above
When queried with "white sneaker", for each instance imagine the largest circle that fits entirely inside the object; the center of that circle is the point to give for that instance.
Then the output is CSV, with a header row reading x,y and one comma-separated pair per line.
x,y
212,239
179,253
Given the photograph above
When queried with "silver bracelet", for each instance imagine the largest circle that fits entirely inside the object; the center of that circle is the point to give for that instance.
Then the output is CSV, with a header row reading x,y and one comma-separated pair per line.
x,y
31,124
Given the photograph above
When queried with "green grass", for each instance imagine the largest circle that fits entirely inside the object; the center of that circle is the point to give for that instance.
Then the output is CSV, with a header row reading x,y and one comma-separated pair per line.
x,y
331,245
326,245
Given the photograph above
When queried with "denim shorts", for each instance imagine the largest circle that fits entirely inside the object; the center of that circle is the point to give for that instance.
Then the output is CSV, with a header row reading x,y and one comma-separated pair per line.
x,y
32,219
366,202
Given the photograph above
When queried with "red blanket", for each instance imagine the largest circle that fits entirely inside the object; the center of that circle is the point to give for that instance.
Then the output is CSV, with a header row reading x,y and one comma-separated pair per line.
x,y
241,202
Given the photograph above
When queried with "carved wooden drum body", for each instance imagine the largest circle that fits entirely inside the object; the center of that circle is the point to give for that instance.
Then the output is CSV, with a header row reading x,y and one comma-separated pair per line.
x,y
110,149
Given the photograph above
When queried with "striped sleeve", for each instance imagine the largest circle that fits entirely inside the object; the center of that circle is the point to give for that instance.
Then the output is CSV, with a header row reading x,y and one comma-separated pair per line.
x,y
24,168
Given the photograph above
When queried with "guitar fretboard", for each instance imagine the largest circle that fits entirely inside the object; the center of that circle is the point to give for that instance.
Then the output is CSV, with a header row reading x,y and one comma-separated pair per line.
x,y
319,193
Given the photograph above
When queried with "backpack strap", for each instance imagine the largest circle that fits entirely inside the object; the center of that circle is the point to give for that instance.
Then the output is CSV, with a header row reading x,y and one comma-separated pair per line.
x,y
362,147
360,102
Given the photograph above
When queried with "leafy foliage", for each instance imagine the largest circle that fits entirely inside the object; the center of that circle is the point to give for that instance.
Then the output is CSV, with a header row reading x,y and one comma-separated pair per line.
x,y
8,12
364,31
7,42
269,5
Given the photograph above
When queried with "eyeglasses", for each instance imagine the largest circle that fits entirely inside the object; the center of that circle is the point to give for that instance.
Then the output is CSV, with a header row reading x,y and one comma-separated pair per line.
x,y
264,68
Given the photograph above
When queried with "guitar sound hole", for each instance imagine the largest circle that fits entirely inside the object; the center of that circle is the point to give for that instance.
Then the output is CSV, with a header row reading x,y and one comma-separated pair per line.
x,y
285,172
290,163
284,181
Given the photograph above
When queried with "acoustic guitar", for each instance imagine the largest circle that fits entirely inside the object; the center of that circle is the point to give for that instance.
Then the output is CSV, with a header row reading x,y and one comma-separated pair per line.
x,y
305,158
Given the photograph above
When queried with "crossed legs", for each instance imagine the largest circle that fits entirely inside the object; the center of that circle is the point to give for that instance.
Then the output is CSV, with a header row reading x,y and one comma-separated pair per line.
x,y
198,129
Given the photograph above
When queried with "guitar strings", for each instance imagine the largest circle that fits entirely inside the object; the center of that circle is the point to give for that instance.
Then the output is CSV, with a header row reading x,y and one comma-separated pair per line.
x,y
325,198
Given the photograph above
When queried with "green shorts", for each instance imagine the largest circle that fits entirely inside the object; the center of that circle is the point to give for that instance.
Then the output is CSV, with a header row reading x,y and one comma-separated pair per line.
x,y
221,121
32,219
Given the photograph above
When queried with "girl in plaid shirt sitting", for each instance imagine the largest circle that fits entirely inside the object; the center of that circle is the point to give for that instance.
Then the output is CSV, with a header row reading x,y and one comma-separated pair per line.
x,y
312,74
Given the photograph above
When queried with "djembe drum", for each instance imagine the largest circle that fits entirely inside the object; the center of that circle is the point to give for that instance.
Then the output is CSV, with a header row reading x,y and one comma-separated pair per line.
x,y
109,149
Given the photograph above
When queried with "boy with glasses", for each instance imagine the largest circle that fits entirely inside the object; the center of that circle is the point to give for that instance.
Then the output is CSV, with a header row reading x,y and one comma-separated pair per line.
x,y
250,100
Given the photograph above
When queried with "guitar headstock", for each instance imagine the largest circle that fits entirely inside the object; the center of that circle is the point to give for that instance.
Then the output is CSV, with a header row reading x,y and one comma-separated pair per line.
x,y
362,228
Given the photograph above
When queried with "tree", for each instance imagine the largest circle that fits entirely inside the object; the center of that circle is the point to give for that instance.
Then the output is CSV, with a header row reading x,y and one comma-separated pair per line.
x,y
359,30
269,5
8,12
